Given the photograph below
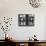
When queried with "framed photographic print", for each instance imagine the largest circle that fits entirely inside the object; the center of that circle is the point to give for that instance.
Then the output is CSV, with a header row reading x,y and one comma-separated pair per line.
x,y
25,19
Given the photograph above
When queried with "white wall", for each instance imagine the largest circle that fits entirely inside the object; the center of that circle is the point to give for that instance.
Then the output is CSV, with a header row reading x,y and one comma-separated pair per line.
x,y
11,8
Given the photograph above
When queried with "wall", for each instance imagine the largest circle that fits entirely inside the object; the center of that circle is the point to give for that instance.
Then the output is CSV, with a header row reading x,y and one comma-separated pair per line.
x,y
11,8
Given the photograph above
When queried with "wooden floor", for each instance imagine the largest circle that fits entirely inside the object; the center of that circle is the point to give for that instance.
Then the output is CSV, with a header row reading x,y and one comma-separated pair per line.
x,y
26,43
4,43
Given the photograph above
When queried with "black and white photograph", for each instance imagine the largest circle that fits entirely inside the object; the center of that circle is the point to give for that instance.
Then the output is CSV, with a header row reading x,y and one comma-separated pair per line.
x,y
22,22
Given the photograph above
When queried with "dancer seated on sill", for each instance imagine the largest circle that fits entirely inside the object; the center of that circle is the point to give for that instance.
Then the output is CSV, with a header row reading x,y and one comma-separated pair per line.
x,y
35,38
